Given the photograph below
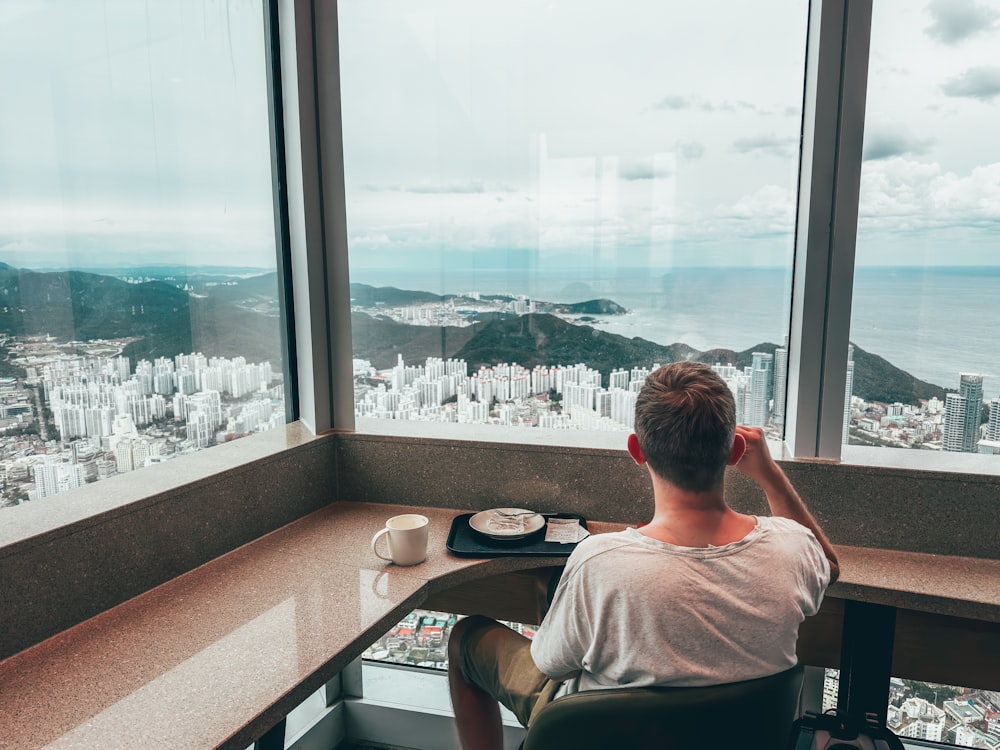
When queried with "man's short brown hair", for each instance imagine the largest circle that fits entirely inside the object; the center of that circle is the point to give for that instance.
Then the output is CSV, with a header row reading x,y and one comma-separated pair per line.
x,y
685,419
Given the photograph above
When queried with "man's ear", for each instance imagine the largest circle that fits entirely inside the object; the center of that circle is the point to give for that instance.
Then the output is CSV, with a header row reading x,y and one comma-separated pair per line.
x,y
635,451
739,448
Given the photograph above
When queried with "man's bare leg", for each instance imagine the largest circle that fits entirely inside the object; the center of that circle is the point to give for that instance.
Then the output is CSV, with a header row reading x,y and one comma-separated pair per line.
x,y
477,713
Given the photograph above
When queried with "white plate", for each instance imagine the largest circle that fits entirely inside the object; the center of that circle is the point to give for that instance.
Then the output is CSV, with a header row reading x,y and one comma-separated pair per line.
x,y
481,522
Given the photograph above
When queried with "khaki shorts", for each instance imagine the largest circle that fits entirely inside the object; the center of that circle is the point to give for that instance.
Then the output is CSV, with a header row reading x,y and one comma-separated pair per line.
x,y
498,660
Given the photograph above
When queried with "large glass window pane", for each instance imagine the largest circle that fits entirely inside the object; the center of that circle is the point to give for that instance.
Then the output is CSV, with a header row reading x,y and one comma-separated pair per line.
x,y
138,296
933,712
545,201
926,372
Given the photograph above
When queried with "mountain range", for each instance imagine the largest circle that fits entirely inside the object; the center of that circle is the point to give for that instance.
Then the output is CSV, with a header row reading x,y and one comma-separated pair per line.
x,y
220,316
543,339
161,319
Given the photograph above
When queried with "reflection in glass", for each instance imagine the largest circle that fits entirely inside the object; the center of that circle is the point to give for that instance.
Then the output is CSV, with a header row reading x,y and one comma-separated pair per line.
x,y
926,374
544,202
934,712
139,316
421,640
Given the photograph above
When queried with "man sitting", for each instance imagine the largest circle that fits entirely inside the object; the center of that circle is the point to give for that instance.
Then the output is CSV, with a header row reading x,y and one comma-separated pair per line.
x,y
701,595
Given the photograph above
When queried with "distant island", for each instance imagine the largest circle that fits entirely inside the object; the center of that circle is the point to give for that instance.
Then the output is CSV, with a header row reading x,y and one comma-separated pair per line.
x,y
363,295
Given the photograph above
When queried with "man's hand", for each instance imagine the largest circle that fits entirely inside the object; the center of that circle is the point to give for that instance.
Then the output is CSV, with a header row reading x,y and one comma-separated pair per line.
x,y
757,462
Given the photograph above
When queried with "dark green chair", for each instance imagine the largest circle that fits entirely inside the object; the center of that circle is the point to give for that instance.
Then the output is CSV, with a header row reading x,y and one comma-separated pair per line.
x,y
752,714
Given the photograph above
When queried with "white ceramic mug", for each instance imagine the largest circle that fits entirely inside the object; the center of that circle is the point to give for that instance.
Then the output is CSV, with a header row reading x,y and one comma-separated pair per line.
x,y
407,539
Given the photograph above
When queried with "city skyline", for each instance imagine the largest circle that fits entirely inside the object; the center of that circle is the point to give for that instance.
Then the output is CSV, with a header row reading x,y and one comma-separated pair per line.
x,y
572,397
96,405
76,418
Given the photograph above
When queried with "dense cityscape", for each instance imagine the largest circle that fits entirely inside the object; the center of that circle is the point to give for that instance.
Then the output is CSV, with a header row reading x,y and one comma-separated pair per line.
x,y
82,414
572,396
955,425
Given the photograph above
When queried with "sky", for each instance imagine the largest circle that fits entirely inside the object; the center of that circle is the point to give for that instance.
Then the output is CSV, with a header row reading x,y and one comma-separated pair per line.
x,y
656,134
134,132
560,133
930,186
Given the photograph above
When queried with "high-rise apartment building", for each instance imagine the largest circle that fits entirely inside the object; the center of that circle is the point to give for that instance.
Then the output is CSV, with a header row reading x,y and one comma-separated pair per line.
x,y
781,383
993,428
971,387
845,432
761,388
53,477
619,379
962,415
953,434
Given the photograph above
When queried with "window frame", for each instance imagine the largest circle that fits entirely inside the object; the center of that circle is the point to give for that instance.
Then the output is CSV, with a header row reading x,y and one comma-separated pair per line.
x,y
836,88
314,185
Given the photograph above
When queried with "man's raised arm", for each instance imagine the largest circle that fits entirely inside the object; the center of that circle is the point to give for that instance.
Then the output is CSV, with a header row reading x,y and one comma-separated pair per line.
x,y
782,498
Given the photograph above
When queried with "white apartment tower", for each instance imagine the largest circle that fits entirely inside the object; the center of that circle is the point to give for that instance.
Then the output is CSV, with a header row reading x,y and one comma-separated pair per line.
x,y
953,432
781,383
845,431
53,478
926,721
962,414
761,388
993,429
971,387
619,379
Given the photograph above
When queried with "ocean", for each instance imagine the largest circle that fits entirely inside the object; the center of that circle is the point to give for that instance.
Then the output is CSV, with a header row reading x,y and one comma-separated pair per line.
x,y
932,322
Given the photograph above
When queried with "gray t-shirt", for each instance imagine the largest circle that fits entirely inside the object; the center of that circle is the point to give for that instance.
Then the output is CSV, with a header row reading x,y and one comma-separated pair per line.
x,y
632,611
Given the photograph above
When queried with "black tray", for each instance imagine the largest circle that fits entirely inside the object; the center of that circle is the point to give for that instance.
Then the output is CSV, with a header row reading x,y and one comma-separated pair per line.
x,y
463,541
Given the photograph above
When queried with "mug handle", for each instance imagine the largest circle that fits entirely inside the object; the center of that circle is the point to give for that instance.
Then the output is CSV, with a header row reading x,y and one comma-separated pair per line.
x,y
375,539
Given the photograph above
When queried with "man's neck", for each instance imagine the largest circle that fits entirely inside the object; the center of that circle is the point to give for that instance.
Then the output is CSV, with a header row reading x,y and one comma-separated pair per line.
x,y
695,519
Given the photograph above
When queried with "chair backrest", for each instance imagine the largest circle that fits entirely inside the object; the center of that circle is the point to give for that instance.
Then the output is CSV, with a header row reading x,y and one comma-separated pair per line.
x,y
752,714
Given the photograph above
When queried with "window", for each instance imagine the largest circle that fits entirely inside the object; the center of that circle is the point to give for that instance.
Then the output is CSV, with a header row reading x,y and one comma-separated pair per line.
x,y
933,712
420,639
925,373
139,314
545,202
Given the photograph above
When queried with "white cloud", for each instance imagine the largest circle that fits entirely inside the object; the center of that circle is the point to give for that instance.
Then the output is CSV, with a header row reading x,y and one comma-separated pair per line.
x,y
957,20
904,194
431,188
644,169
769,210
886,141
85,234
981,82
772,145
691,149
676,103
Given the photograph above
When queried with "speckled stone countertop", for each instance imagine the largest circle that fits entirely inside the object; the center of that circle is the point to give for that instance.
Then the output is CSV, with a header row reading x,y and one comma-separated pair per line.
x,y
215,657
957,586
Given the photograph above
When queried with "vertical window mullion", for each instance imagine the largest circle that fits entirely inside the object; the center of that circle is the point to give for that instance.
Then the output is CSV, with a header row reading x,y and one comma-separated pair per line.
x,y
305,182
830,172
331,145
280,197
